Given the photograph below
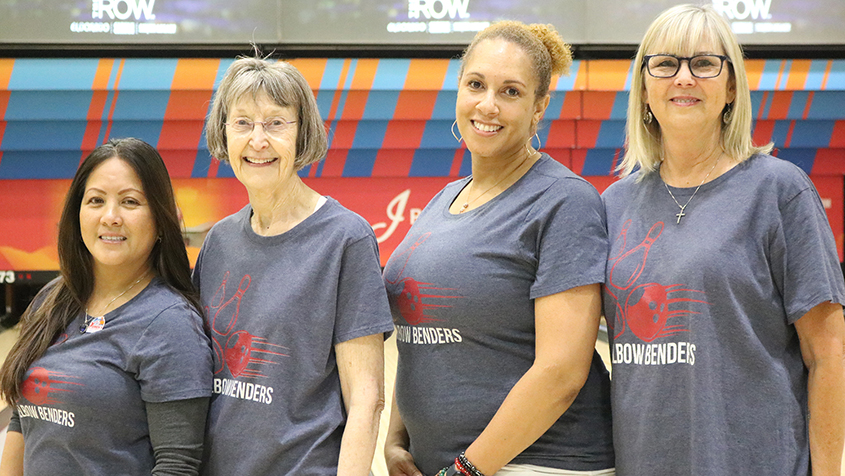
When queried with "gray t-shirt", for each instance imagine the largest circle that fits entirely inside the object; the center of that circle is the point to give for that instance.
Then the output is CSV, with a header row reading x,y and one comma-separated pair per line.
x,y
83,405
708,377
276,306
462,290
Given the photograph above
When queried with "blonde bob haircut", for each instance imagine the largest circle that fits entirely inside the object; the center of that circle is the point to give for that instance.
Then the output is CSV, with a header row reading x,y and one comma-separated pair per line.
x,y
249,78
681,30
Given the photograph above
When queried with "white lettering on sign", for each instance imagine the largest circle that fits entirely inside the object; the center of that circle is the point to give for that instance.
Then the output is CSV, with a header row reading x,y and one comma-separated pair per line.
x,y
438,9
742,9
123,9
396,215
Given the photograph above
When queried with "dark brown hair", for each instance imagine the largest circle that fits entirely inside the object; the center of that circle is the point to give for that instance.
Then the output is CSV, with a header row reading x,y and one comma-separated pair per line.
x,y
61,301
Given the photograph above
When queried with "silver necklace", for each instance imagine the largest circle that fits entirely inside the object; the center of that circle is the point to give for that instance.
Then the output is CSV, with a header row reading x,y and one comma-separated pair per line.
x,y
89,318
472,185
683,207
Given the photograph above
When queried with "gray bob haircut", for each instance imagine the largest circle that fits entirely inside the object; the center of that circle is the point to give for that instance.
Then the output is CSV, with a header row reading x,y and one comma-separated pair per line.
x,y
681,30
285,85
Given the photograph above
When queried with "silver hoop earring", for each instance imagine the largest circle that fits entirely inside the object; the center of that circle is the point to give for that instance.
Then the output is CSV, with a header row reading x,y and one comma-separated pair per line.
x,y
539,144
459,139
728,114
648,118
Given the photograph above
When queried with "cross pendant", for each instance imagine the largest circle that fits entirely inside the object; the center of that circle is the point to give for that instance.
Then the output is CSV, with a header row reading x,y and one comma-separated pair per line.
x,y
680,215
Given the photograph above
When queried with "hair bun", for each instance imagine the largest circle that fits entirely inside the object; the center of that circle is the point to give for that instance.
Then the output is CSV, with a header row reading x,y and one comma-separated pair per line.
x,y
560,52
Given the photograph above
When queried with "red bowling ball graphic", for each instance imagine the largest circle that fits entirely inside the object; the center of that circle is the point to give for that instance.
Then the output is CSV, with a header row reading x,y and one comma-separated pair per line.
x,y
649,310
42,386
411,292
244,354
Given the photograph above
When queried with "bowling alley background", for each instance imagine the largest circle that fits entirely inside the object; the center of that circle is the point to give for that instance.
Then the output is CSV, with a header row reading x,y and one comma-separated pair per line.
x,y
389,119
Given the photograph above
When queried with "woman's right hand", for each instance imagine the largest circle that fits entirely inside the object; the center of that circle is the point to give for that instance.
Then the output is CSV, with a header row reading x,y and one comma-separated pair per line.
x,y
400,462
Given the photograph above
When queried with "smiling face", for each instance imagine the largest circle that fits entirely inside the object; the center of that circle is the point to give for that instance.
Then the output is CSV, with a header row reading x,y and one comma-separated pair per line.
x,y
686,103
496,109
115,219
260,161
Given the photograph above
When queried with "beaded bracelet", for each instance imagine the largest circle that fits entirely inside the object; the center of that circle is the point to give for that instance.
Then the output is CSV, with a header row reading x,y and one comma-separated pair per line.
x,y
465,467
450,471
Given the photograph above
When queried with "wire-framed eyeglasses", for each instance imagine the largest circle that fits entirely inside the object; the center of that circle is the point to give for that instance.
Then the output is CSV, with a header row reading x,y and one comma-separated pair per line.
x,y
272,127
700,66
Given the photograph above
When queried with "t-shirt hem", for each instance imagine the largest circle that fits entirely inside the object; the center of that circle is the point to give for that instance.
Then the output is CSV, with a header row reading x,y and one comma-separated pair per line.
x,y
811,303
367,331
183,395
563,462
565,286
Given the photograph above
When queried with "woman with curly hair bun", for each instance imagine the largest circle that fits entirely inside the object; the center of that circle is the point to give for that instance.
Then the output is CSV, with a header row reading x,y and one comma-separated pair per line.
x,y
495,291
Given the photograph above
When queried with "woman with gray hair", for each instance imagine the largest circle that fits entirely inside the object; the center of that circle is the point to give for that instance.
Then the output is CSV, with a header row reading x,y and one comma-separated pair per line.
x,y
292,291
723,287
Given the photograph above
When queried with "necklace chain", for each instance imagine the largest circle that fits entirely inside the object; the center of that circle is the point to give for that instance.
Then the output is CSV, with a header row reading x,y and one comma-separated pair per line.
x,y
89,318
683,207
472,185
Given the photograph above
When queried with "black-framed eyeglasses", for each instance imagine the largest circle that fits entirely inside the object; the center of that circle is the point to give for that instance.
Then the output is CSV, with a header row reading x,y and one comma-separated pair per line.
x,y
271,127
700,66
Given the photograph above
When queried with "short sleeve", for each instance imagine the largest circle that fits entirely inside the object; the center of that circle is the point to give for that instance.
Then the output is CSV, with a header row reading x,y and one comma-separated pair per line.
x,y
573,242
362,307
15,422
173,357
805,263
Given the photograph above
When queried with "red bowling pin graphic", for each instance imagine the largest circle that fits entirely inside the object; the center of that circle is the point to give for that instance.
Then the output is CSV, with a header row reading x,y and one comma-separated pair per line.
x,y
628,267
407,253
238,350
226,315
621,241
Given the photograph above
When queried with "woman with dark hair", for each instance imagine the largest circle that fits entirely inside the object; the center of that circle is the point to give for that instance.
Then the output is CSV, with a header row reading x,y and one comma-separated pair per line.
x,y
293,294
112,370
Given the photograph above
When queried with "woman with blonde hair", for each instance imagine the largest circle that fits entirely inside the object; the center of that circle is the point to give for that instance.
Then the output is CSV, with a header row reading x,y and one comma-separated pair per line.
x,y
723,290
495,291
